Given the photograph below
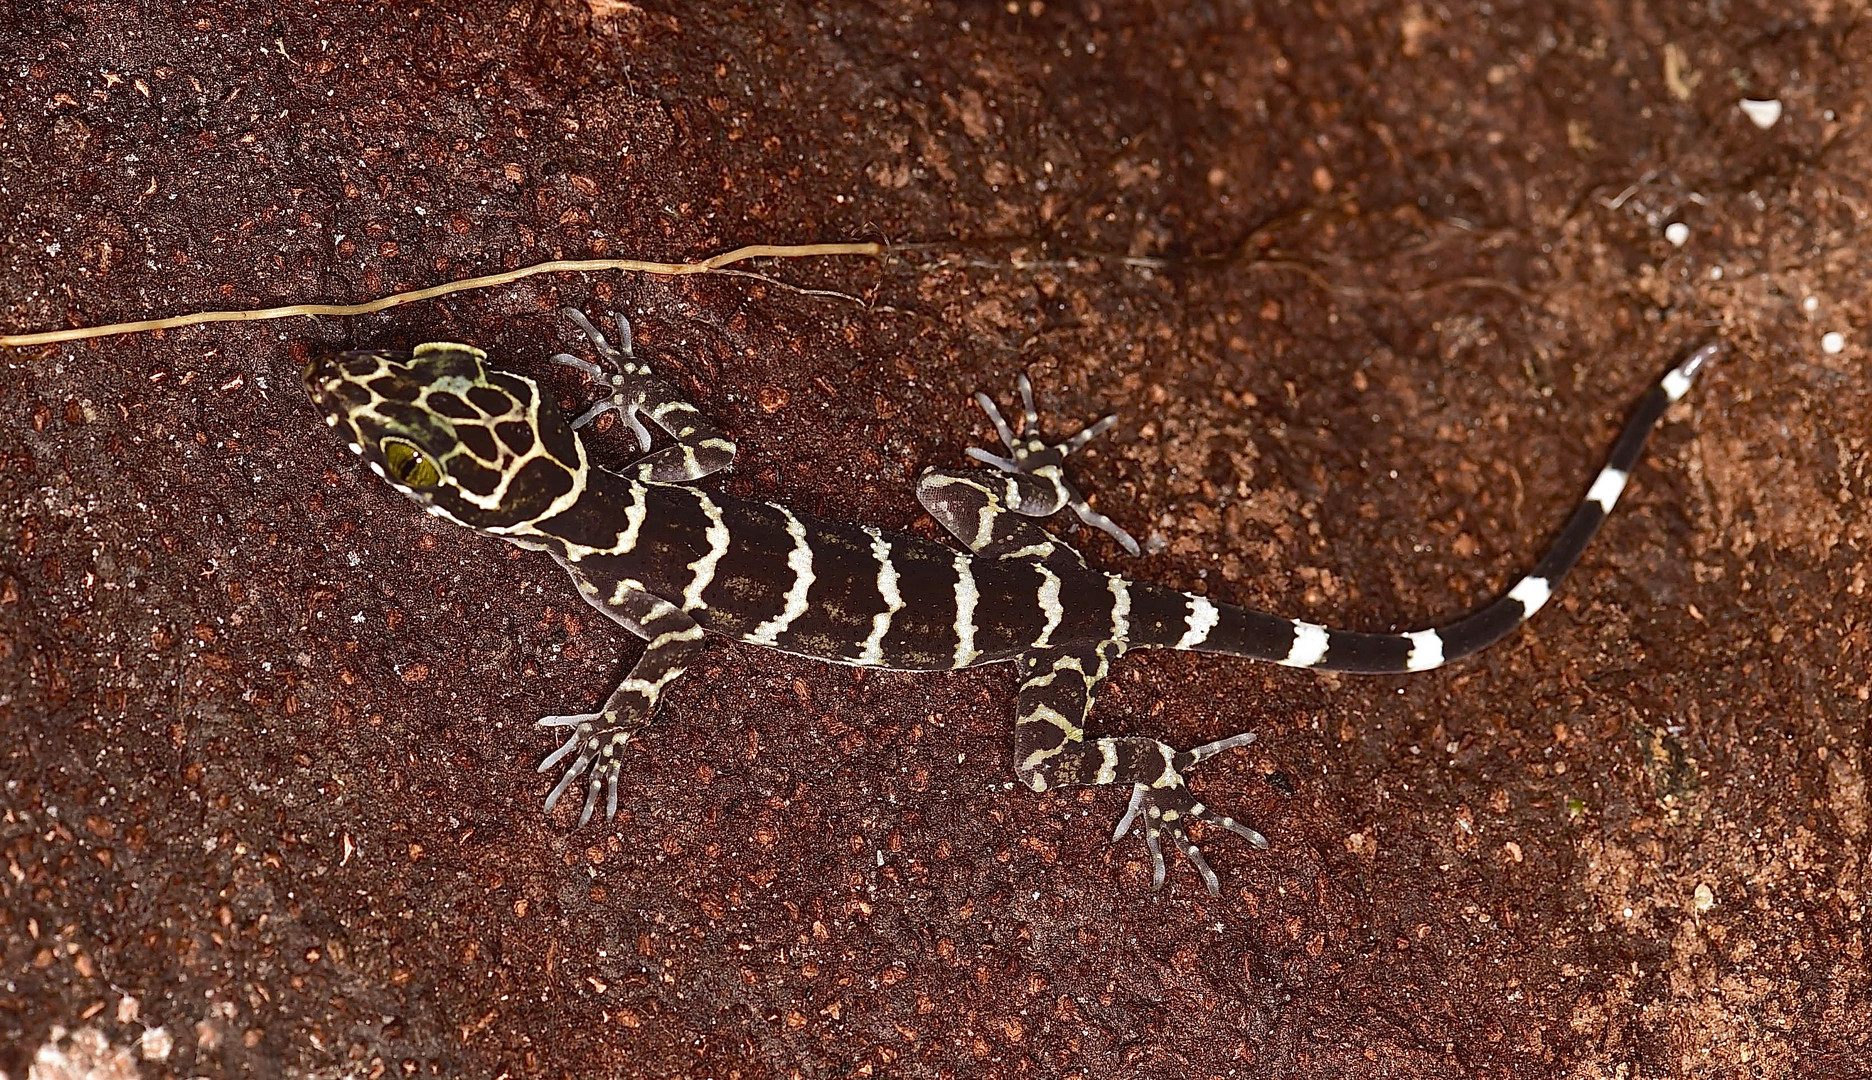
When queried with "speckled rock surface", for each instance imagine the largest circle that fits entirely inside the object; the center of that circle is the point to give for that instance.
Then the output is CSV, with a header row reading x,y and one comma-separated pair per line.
x,y
1372,285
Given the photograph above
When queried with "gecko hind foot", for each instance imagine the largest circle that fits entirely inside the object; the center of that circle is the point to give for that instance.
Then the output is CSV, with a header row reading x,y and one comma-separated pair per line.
x,y
1167,810
598,751
1030,454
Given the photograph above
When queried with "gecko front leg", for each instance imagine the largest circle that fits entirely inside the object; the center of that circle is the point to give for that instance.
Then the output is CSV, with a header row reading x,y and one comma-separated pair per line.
x,y
598,738
1033,481
635,391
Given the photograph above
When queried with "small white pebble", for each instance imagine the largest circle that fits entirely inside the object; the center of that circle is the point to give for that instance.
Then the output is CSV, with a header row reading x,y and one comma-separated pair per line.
x,y
1677,233
1811,304
156,1044
1833,342
1715,273
1764,112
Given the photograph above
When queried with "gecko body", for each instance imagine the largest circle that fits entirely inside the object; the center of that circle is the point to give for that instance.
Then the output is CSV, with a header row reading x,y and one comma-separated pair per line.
x,y
671,561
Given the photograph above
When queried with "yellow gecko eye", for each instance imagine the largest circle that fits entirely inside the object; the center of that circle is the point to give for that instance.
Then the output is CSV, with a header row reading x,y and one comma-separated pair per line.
x,y
408,465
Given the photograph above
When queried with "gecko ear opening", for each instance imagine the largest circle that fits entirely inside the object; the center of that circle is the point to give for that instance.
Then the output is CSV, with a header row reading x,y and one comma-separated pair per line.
x,y
408,465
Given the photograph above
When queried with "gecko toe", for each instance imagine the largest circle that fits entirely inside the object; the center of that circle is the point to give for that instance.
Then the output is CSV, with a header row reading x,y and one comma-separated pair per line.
x,y
1210,817
568,720
1194,855
578,766
1138,794
1153,833
558,755
592,788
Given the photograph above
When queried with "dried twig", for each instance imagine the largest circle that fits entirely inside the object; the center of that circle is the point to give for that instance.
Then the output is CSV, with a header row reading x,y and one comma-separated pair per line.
x,y
556,266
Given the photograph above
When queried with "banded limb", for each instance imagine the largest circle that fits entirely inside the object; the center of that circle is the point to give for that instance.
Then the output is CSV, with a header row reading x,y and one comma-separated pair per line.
x,y
1051,750
598,738
635,391
980,506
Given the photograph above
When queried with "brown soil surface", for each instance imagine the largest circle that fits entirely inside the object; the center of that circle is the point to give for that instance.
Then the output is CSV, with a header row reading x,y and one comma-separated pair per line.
x,y
1372,284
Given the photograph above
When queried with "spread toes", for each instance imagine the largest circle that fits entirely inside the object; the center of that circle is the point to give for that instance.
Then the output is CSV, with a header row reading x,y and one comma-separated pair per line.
x,y
598,753
1165,809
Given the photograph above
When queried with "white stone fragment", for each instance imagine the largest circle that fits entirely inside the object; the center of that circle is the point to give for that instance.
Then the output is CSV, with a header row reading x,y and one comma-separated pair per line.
x,y
1833,342
1764,112
156,1044
1677,233
87,1054
1811,304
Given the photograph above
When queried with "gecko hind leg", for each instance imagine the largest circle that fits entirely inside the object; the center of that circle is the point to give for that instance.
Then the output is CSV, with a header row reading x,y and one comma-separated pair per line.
x,y
1052,750
1030,455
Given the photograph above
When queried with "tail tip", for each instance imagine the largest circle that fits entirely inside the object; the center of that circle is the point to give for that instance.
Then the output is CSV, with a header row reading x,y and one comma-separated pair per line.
x,y
1677,380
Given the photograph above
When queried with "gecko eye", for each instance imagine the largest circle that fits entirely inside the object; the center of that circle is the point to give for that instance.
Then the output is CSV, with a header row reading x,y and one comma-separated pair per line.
x,y
408,465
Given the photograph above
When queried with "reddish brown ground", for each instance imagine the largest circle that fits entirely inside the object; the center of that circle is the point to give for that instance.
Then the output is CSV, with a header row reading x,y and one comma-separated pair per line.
x,y
1395,272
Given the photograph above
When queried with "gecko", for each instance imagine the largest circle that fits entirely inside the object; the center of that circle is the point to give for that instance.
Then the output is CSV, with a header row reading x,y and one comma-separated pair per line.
x,y
671,561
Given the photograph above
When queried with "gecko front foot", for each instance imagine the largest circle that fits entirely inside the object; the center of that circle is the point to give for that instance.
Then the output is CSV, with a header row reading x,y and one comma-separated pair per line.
x,y
636,394
1166,807
1031,455
630,384
599,742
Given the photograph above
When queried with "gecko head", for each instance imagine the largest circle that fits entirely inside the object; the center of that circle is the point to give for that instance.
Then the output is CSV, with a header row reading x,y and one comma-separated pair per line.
x,y
481,448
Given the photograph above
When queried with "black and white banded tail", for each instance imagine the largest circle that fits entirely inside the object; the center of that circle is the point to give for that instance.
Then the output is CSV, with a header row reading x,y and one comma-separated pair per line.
x,y
1233,631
